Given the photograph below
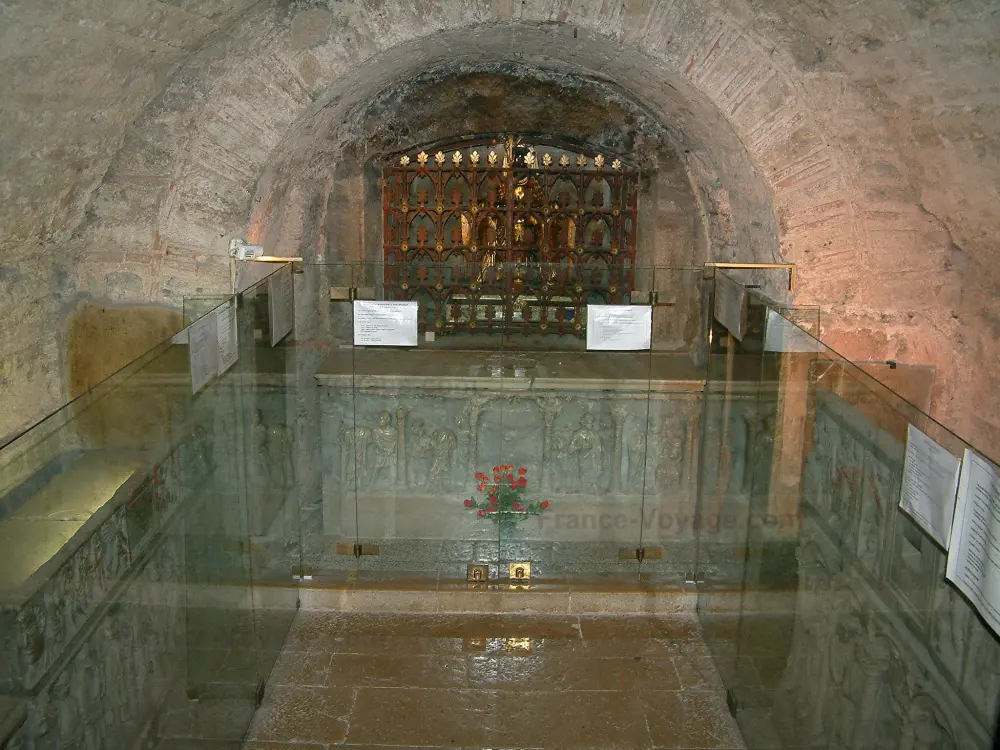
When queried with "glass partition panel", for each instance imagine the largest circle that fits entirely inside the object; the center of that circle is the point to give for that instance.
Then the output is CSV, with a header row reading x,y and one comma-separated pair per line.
x,y
670,437
732,413
499,377
341,468
276,439
848,633
131,591
91,561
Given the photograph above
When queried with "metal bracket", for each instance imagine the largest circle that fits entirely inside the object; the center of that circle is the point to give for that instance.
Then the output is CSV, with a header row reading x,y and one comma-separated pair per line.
x,y
654,300
357,549
691,578
640,553
351,293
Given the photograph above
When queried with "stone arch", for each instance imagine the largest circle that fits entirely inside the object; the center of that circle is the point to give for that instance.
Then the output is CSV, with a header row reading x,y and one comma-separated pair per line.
x,y
751,118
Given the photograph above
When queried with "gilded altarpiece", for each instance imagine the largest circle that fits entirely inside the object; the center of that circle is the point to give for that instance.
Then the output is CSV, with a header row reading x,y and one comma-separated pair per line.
x,y
504,236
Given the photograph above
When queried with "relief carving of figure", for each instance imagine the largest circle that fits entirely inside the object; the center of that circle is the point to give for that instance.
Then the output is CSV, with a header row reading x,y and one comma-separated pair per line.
x,y
118,706
669,466
92,688
762,457
563,471
115,547
585,446
635,444
32,630
927,726
63,713
384,438
354,456
875,502
820,470
844,684
202,460
950,627
849,473
439,447
272,452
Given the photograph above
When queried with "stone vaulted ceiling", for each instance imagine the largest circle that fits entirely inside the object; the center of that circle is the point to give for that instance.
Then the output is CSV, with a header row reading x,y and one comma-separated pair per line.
x,y
860,140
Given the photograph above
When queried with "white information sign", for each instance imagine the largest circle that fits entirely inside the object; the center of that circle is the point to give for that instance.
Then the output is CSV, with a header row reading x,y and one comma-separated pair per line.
x,y
731,305
930,481
203,351
782,335
226,324
619,327
281,303
974,557
385,323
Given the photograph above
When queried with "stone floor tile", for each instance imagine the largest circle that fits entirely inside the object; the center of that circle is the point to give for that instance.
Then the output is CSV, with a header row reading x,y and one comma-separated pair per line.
x,y
189,744
545,673
568,719
495,680
414,716
209,719
698,673
677,627
433,671
707,721
664,714
300,714
305,668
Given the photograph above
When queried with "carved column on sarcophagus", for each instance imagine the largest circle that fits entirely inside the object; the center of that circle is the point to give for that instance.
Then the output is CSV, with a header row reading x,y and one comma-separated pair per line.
x,y
475,409
875,654
550,406
402,472
692,431
750,427
618,414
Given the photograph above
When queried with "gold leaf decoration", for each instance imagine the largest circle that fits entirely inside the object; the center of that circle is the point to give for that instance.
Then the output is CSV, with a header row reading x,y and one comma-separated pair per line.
x,y
492,158
616,164
530,159
404,160
439,157
581,161
474,158
456,158
599,161
564,161
422,158
547,160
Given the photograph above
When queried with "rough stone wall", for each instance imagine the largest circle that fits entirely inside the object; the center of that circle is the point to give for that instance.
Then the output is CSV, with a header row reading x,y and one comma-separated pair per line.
x,y
863,134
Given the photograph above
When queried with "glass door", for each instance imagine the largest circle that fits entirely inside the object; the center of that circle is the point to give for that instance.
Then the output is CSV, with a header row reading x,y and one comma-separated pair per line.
x,y
673,433
350,455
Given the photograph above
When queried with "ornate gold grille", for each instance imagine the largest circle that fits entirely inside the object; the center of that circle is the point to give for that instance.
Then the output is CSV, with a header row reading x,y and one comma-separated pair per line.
x,y
499,236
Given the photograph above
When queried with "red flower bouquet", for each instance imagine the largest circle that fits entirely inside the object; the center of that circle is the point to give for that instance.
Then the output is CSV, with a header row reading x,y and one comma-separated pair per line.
x,y
503,501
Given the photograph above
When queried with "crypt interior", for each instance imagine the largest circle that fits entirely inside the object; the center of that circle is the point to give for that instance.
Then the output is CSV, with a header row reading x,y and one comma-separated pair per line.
x,y
227,522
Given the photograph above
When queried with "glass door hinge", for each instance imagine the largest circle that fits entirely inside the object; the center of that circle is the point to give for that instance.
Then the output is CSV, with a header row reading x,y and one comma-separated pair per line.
x,y
357,549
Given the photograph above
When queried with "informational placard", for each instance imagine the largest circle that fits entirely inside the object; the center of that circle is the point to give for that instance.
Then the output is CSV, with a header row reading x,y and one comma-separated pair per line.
x,y
385,323
974,557
930,481
782,335
619,327
203,351
225,323
731,305
281,303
